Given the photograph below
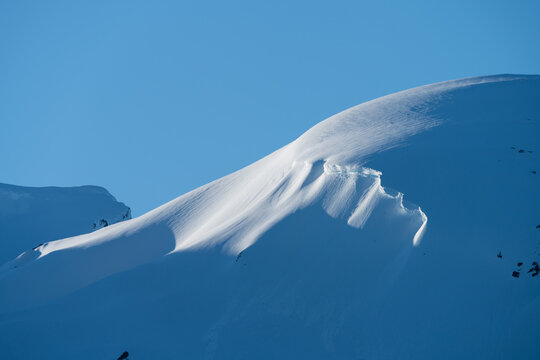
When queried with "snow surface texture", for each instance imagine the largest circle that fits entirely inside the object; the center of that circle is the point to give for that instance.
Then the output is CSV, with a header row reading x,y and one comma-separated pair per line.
x,y
304,254
30,216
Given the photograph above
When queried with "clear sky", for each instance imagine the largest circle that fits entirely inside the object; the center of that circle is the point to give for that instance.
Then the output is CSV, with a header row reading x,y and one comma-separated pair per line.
x,y
151,99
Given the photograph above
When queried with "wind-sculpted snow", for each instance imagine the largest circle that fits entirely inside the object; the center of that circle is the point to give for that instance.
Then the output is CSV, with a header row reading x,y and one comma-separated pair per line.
x,y
347,193
305,254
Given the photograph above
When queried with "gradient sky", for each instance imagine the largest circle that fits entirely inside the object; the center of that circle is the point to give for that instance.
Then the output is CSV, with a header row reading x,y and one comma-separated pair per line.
x,y
151,99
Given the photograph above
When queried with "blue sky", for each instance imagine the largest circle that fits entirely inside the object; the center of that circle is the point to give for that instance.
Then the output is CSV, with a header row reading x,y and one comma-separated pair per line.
x,y
152,99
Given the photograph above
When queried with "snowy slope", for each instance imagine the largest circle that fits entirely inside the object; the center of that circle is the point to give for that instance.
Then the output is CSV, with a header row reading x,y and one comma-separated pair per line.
x,y
304,254
30,216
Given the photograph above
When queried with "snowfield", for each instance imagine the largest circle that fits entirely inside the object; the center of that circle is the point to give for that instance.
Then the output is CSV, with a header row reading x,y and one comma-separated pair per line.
x,y
309,253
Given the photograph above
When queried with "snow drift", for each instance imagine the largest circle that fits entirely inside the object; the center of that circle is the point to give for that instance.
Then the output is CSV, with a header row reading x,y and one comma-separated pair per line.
x,y
305,254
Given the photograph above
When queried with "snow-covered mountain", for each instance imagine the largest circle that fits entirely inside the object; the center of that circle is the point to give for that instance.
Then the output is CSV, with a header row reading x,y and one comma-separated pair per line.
x,y
309,254
30,216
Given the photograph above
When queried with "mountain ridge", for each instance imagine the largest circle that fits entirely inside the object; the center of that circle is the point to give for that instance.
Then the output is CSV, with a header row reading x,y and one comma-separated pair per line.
x,y
304,253
33,215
